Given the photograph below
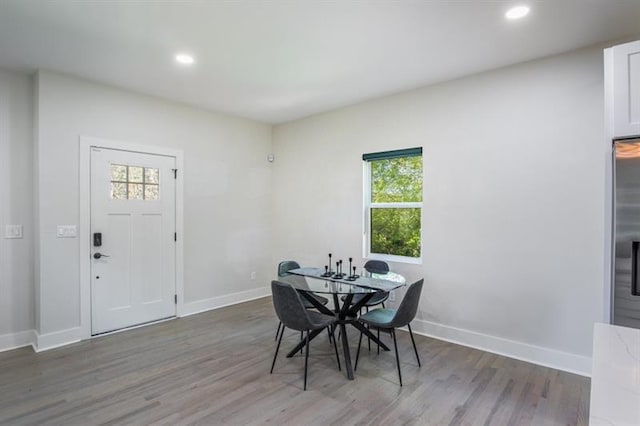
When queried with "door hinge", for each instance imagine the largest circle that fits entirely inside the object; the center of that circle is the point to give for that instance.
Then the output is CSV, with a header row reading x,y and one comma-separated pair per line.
x,y
175,299
175,236
175,173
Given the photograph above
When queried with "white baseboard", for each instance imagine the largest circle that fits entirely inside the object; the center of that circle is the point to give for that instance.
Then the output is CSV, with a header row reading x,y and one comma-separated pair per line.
x,y
43,342
546,357
17,340
57,338
204,305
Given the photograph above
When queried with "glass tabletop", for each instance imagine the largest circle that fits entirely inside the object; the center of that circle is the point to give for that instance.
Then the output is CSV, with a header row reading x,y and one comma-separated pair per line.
x,y
311,279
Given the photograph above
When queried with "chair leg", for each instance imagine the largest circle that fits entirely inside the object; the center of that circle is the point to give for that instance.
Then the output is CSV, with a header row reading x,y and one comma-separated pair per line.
x,y
335,346
306,359
383,305
378,341
329,334
301,338
277,331
369,328
358,353
395,344
414,345
277,349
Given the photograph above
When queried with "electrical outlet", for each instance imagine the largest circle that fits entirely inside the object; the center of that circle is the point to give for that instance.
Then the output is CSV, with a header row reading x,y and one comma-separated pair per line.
x,y
253,275
392,296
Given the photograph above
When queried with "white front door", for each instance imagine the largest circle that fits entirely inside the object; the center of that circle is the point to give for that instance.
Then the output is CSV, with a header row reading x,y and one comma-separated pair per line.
x,y
133,253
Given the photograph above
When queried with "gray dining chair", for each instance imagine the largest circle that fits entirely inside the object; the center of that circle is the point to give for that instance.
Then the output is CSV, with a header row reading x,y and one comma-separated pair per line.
x,y
283,270
390,319
375,267
293,314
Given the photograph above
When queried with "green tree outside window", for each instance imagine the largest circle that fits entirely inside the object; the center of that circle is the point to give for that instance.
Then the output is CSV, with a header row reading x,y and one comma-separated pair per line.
x,y
395,206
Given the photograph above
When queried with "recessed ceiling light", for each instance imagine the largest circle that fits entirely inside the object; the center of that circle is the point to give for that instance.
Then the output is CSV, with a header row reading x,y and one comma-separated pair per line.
x,y
517,12
185,59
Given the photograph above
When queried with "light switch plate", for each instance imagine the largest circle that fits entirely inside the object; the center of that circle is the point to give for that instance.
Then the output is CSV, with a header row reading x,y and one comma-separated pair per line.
x,y
13,231
67,231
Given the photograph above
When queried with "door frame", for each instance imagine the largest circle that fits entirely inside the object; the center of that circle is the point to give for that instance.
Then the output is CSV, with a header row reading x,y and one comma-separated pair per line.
x,y
84,231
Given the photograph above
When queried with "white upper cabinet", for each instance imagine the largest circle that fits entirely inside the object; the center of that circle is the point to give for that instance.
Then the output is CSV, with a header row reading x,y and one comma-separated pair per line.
x,y
623,80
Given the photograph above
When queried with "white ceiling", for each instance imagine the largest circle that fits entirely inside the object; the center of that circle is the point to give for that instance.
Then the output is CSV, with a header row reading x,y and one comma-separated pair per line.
x,y
276,61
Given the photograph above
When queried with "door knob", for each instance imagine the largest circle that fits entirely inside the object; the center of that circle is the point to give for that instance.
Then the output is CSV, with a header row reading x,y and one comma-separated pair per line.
x,y
99,255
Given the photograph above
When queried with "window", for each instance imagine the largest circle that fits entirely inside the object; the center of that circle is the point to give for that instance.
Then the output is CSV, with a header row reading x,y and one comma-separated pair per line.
x,y
393,205
134,182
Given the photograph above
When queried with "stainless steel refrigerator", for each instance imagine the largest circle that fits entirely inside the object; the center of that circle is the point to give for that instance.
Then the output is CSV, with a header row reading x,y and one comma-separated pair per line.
x,y
625,294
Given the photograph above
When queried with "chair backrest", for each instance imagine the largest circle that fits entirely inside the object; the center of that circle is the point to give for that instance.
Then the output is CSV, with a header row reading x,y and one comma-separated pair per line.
x,y
285,266
409,306
376,266
289,308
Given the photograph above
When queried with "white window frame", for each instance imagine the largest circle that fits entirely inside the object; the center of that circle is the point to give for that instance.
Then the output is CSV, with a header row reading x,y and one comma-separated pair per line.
x,y
368,205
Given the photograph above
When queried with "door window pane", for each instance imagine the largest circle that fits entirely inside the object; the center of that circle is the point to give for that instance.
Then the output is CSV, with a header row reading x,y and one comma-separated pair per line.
x,y
136,191
151,192
135,174
134,182
118,191
118,173
151,175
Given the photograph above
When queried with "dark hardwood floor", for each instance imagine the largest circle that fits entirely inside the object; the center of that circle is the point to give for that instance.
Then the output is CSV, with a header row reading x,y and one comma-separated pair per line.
x,y
213,368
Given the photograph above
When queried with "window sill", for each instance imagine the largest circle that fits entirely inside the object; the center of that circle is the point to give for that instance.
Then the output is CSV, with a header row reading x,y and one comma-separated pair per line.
x,y
393,258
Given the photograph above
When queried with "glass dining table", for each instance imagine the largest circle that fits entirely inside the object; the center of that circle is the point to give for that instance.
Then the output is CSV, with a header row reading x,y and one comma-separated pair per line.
x,y
345,309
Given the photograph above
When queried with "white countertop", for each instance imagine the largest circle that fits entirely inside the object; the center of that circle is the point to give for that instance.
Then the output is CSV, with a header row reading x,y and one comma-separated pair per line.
x,y
615,376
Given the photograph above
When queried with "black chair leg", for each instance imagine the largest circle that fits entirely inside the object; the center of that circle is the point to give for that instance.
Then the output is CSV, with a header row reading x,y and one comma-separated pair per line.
x,y
378,341
369,328
335,346
277,331
395,344
306,360
414,345
301,338
358,353
329,334
277,349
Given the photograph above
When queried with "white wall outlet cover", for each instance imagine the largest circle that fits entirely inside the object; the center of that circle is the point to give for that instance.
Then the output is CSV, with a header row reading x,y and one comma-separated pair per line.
x,y
13,231
67,231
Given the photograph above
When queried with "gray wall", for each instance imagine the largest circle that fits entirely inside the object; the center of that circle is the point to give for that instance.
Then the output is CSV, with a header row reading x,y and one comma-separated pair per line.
x,y
513,201
513,210
227,188
16,205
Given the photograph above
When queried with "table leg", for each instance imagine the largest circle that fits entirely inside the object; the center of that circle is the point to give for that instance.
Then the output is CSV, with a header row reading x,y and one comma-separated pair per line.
x,y
346,305
347,354
354,309
319,306
342,316
301,345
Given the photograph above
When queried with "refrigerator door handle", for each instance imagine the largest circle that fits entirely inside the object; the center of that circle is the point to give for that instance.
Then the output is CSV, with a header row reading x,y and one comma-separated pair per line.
x,y
635,245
